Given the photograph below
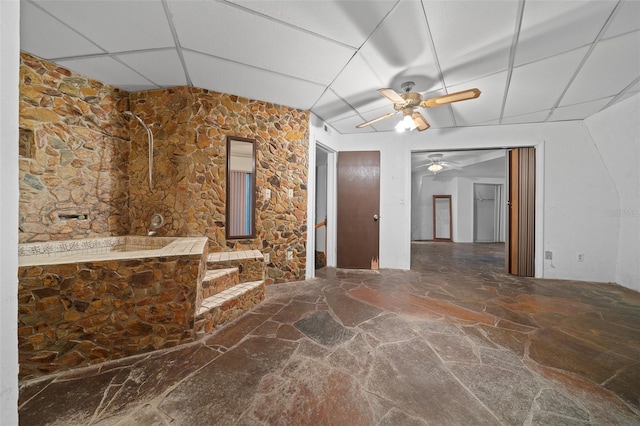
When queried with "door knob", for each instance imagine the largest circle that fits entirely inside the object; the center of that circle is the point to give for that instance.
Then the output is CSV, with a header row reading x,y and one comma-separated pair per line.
x,y
375,217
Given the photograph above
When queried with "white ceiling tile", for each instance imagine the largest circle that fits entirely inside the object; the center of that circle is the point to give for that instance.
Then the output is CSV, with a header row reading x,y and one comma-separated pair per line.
x,y
46,37
635,87
552,27
438,118
579,111
612,66
627,95
109,71
349,22
486,107
354,85
472,38
331,106
227,32
627,19
532,117
538,85
163,67
399,50
116,26
229,77
348,125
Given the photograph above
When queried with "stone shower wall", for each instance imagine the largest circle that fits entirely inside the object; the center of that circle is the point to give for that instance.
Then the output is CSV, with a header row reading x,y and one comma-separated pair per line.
x,y
74,149
190,127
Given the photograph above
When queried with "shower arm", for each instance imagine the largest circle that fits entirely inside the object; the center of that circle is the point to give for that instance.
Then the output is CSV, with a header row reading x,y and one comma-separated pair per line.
x,y
150,138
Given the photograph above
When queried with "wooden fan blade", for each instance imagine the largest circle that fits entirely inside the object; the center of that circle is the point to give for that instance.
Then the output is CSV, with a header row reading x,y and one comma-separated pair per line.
x,y
392,95
420,121
450,98
375,120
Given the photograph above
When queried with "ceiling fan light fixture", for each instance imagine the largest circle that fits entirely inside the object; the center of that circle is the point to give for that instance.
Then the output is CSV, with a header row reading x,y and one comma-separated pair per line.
x,y
406,124
434,168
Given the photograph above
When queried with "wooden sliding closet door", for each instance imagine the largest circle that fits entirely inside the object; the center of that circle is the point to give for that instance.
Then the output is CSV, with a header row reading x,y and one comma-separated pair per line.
x,y
520,256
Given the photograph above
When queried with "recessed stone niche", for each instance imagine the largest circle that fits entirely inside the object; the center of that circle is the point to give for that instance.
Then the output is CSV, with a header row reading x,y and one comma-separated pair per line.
x,y
26,141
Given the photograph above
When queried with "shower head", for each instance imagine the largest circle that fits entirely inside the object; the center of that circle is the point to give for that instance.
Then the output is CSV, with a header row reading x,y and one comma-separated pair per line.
x,y
137,118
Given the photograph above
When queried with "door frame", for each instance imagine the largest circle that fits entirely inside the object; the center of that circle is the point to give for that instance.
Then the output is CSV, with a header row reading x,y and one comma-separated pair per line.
x,y
332,159
498,213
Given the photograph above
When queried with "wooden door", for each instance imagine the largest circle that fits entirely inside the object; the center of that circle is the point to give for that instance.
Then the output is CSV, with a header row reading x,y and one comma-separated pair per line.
x,y
520,256
358,182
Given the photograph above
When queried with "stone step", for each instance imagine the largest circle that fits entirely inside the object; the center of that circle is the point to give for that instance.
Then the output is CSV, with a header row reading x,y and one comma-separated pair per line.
x,y
228,305
250,263
218,280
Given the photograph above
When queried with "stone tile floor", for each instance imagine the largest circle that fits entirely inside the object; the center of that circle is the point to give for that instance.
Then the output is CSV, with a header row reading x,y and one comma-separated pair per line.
x,y
454,341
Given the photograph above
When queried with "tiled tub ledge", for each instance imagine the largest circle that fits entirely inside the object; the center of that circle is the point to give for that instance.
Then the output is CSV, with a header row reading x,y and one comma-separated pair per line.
x,y
108,248
83,302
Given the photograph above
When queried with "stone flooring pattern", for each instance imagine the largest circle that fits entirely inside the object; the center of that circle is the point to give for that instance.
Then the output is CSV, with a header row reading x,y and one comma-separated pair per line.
x,y
454,341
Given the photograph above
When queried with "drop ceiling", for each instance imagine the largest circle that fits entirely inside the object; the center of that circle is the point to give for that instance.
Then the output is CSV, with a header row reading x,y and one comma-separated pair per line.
x,y
533,60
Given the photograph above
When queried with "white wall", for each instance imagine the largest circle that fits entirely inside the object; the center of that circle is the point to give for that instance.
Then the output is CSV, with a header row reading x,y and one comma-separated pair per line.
x,y
577,189
573,188
425,186
616,138
9,74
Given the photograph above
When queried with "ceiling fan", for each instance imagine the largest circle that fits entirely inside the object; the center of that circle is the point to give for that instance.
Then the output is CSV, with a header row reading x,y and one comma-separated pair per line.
x,y
437,164
409,101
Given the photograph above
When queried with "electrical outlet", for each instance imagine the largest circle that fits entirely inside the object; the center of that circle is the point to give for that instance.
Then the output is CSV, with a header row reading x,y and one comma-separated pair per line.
x,y
267,194
548,255
289,255
290,192
580,257
267,257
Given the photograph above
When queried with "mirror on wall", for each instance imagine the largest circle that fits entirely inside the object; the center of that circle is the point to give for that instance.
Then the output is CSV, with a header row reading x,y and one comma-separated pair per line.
x,y
442,218
241,184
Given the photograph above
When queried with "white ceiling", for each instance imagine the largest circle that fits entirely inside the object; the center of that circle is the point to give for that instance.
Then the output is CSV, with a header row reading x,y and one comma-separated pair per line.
x,y
533,60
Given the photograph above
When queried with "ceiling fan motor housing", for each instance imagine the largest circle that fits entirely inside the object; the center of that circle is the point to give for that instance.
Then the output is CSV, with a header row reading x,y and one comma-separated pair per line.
x,y
411,100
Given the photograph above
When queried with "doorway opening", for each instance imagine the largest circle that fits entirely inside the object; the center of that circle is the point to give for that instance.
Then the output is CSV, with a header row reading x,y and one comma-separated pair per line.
x,y
475,181
321,203
488,217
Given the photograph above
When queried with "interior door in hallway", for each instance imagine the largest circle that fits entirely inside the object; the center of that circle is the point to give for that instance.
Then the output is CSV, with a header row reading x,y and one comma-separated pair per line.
x,y
358,184
520,256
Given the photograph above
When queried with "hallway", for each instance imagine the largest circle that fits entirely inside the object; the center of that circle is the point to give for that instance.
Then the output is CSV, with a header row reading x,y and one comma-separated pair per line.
x,y
454,341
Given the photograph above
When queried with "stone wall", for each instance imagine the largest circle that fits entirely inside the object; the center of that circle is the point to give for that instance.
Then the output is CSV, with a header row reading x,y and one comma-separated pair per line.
x,y
74,149
190,127
84,165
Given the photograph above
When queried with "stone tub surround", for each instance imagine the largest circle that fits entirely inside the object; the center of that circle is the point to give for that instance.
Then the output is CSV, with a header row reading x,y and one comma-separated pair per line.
x,y
74,155
190,134
454,341
88,308
108,248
